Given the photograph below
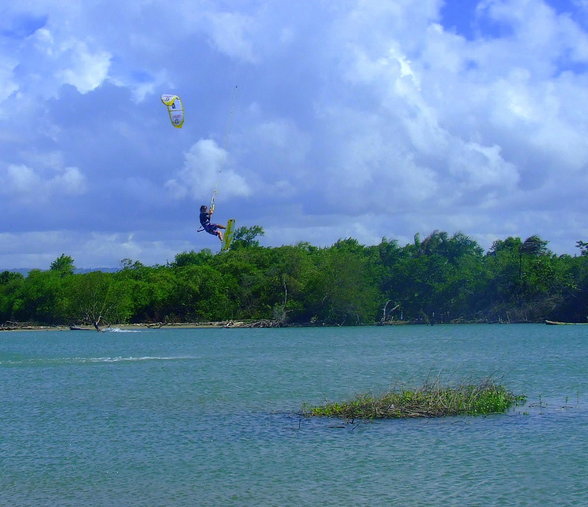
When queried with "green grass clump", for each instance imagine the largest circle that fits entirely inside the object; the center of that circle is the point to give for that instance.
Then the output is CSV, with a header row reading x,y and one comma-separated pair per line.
x,y
431,400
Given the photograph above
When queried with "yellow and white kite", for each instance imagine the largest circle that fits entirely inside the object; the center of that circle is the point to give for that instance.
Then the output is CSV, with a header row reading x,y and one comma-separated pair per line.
x,y
175,108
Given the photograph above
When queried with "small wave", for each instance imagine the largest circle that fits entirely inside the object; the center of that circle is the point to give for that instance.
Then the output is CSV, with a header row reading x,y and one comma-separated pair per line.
x,y
133,359
91,360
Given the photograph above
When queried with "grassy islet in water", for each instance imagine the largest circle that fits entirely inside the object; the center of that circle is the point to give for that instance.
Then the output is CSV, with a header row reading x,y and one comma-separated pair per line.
x,y
430,400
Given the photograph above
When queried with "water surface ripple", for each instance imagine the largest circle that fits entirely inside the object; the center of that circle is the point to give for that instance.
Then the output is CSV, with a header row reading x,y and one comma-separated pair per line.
x,y
210,417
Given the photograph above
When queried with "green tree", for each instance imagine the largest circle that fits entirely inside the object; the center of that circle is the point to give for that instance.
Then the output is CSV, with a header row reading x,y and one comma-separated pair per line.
x,y
41,298
583,246
441,277
151,290
432,279
342,290
200,294
244,272
97,297
9,276
247,236
192,258
534,246
574,302
10,294
64,264
288,276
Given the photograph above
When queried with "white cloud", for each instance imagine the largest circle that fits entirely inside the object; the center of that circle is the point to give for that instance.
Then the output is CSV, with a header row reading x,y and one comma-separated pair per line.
x,y
364,117
205,170
30,185
19,179
8,84
230,34
70,181
87,70
478,167
88,249
48,60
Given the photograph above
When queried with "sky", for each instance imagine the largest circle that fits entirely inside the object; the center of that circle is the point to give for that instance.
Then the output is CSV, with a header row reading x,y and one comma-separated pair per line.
x,y
317,120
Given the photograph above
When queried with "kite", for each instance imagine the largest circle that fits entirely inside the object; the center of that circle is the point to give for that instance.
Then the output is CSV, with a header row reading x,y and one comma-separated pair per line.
x,y
175,109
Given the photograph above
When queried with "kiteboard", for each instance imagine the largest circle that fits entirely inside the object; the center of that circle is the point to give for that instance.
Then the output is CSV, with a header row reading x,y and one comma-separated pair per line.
x,y
228,236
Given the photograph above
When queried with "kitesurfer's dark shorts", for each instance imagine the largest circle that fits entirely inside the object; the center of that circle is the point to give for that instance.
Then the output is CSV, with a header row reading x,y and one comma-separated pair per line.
x,y
210,228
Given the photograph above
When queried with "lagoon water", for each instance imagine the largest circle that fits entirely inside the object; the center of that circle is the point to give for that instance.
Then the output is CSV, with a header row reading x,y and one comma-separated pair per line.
x,y
210,417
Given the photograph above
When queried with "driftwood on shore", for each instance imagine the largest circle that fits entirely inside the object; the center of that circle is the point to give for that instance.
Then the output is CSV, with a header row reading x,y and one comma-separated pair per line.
x,y
558,323
262,323
223,324
257,323
31,326
26,326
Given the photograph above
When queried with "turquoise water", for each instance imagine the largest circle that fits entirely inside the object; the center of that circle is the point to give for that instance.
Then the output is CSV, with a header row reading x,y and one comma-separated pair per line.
x,y
209,417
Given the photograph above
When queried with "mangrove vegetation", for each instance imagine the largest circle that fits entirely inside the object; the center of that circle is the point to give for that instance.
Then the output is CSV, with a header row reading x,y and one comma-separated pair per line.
x,y
439,279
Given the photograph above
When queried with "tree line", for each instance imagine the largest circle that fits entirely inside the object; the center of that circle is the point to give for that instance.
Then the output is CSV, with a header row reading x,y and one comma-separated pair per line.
x,y
438,279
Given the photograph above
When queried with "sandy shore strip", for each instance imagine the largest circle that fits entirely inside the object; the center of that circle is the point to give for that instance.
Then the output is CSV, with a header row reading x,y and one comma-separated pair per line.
x,y
25,326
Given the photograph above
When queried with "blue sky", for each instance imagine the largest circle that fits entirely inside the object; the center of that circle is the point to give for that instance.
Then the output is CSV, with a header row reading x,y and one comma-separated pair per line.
x,y
317,120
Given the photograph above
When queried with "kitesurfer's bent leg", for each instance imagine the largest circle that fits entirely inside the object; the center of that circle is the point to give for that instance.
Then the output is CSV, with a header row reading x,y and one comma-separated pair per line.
x,y
213,229
219,233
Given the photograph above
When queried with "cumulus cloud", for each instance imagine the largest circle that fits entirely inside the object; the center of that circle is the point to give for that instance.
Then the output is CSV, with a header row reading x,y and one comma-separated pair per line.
x,y
27,184
43,61
88,249
87,69
230,34
362,118
205,169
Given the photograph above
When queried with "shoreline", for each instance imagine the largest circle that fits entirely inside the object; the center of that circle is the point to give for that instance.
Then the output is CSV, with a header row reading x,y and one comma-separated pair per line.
x,y
26,326
126,327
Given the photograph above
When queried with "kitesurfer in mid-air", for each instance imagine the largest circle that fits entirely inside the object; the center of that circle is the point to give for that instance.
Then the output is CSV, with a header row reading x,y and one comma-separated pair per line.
x,y
213,229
